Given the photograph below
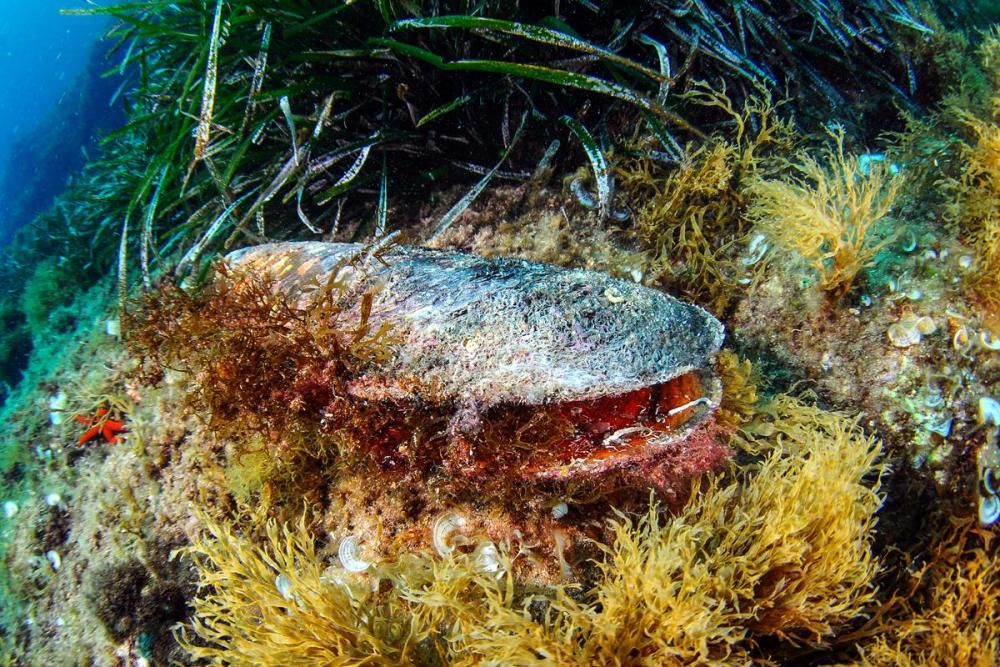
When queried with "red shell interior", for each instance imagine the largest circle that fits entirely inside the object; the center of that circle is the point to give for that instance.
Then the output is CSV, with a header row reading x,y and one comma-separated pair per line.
x,y
542,439
593,423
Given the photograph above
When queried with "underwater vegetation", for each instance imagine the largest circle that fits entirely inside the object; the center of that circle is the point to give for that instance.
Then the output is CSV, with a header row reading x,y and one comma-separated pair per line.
x,y
231,417
829,213
947,615
263,369
976,207
692,215
782,551
269,117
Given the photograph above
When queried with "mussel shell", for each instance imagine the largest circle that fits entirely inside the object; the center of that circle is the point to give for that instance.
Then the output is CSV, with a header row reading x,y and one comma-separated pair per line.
x,y
488,331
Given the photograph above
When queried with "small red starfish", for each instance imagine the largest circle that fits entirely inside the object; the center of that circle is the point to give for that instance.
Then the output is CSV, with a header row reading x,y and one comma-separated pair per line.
x,y
100,424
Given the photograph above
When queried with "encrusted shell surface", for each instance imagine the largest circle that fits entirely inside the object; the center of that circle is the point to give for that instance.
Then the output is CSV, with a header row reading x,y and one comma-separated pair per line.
x,y
503,330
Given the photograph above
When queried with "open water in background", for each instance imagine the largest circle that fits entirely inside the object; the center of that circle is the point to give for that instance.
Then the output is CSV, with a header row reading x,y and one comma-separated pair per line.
x,y
52,102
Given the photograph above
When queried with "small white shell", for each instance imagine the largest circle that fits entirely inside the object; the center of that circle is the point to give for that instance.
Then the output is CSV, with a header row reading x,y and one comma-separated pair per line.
x,y
756,250
559,510
57,404
10,508
444,526
284,585
53,499
55,560
560,542
989,510
487,559
989,480
988,341
989,411
960,341
614,295
926,325
904,334
347,552
113,327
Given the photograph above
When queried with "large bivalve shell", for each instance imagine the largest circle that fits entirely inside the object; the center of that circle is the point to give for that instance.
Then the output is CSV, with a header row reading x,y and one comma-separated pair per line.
x,y
484,332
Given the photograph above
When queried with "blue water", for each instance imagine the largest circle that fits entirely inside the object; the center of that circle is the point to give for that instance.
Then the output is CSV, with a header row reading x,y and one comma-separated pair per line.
x,y
43,126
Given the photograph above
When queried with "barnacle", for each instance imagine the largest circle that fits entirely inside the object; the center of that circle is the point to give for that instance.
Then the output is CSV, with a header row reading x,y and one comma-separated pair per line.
x,y
910,330
828,214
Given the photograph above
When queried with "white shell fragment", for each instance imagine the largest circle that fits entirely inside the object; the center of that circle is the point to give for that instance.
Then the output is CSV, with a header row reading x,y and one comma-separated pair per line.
x,y
960,341
487,559
988,341
989,411
988,465
989,510
284,585
113,327
989,482
444,526
614,295
755,250
55,560
10,508
57,406
53,499
943,429
926,325
910,330
559,510
348,554
901,335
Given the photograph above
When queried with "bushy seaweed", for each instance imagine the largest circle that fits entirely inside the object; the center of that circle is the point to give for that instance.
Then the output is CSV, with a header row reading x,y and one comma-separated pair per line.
x,y
264,373
975,206
951,613
781,554
691,216
828,212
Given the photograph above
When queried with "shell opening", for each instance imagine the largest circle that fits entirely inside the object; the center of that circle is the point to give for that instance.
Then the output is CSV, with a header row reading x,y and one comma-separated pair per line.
x,y
615,429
